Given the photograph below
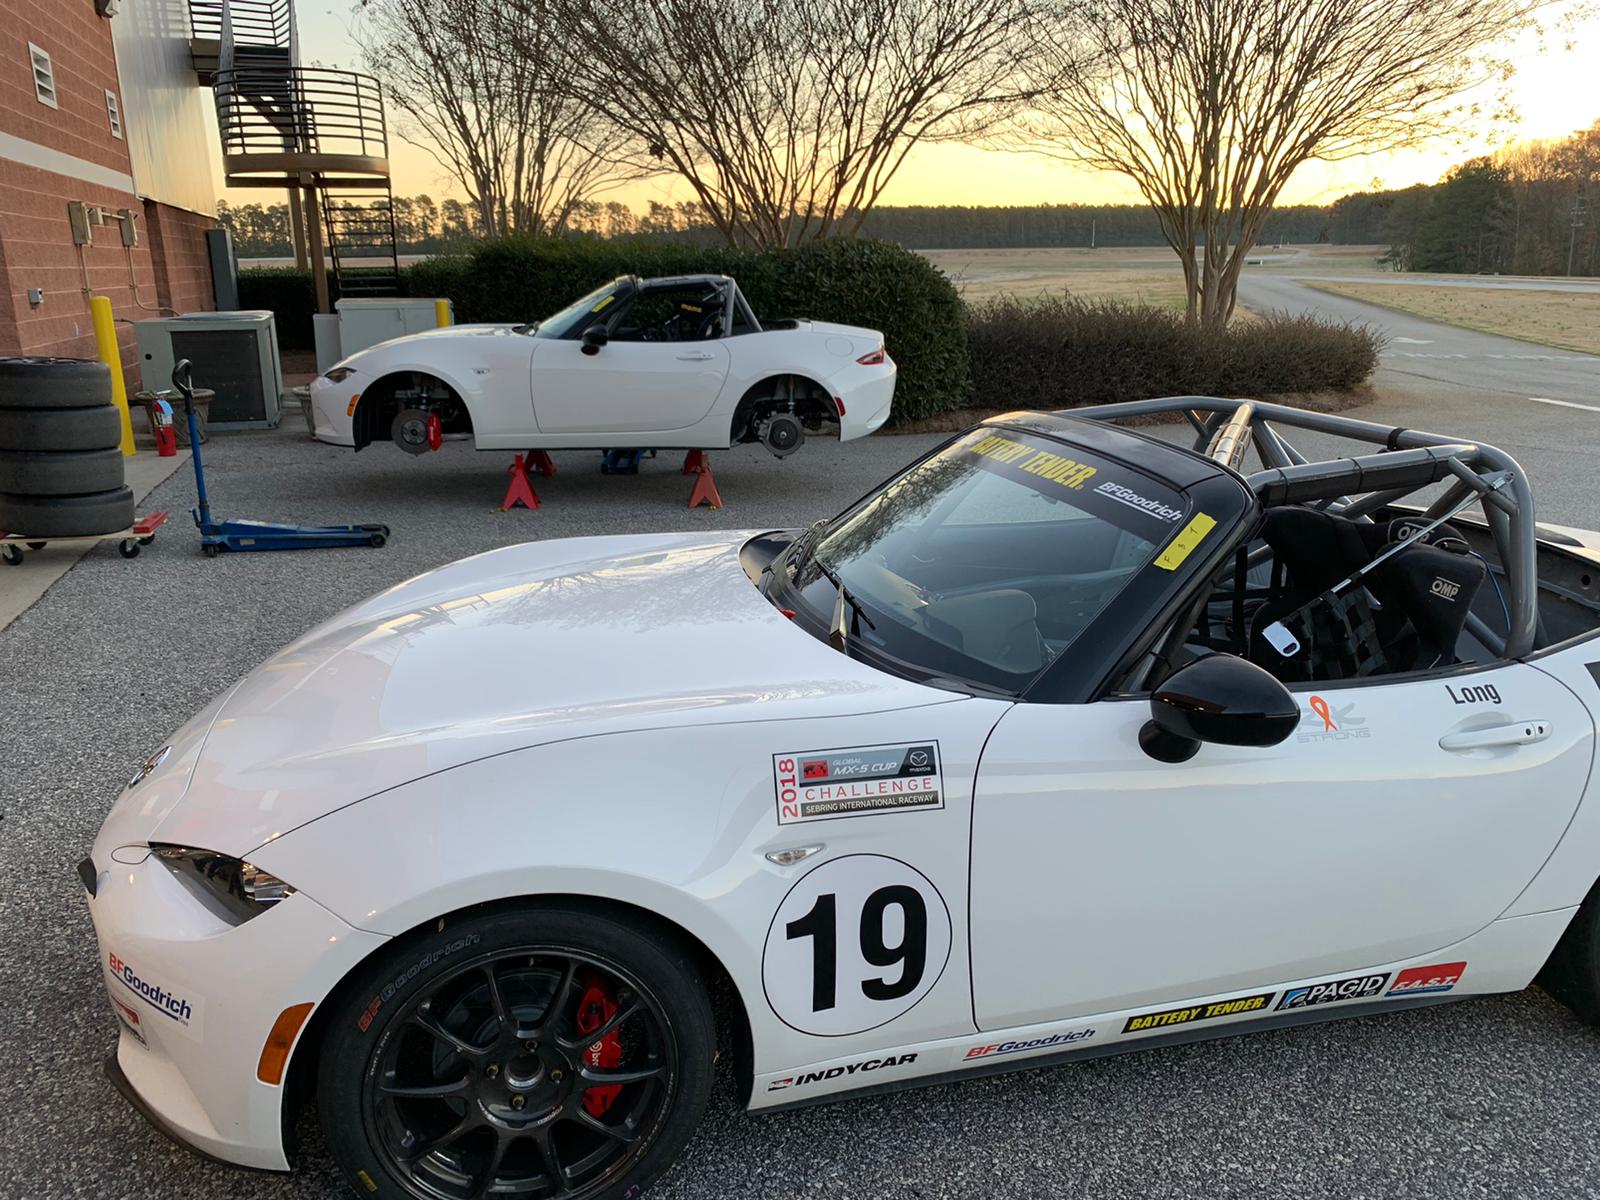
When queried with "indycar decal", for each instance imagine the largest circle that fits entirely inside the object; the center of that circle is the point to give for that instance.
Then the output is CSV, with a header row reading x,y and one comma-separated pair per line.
x,y
869,1064
858,781
1197,1012
857,942
1357,987
1415,981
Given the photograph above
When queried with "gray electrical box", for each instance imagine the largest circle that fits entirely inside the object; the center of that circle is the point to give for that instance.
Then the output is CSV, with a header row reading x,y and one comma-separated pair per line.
x,y
235,354
224,269
364,322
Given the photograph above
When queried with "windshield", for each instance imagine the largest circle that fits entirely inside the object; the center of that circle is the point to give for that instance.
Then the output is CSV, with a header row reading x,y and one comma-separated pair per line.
x,y
580,314
986,561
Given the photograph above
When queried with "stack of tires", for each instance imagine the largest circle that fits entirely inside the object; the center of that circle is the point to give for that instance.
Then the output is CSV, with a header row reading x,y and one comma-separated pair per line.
x,y
60,455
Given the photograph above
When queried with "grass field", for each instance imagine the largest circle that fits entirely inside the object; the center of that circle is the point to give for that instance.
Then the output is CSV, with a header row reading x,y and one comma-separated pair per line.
x,y
1138,274
1569,320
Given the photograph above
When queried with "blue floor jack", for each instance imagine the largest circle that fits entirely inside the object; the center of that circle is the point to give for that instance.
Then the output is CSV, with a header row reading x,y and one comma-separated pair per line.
x,y
217,536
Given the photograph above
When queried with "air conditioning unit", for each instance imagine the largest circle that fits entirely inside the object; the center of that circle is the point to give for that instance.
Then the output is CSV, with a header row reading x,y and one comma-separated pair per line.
x,y
366,322
235,354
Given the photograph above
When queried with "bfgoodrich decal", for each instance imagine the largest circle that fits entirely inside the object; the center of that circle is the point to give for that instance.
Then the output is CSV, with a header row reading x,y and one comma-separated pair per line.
x,y
866,1064
182,1011
1020,1047
1357,987
1198,1012
857,781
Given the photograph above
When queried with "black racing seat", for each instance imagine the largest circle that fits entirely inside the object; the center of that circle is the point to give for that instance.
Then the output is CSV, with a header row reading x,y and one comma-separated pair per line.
x,y
1407,615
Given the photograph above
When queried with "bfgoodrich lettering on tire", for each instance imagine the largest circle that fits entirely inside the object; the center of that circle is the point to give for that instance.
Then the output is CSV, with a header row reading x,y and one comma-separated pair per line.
x,y
525,1053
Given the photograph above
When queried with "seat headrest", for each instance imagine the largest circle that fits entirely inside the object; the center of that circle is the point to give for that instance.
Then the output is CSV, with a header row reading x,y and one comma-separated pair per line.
x,y
1435,589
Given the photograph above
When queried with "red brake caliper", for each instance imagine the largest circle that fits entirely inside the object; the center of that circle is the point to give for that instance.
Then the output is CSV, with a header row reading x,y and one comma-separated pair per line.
x,y
595,1007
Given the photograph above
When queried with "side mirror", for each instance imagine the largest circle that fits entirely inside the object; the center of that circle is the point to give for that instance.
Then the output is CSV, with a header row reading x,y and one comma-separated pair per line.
x,y
593,338
1219,699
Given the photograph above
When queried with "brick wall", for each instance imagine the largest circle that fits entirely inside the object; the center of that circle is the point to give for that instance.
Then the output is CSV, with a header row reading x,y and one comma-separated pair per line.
x,y
181,257
85,67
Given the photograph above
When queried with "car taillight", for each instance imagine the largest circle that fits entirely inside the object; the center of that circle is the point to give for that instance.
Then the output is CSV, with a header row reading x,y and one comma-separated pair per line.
x,y
875,359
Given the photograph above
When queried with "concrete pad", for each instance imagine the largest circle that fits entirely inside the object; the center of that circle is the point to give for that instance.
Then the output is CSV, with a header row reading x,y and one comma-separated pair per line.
x,y
24,583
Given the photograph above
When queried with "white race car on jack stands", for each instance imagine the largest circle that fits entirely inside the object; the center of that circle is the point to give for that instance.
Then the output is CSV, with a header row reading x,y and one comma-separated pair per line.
x,y
673,363
1064,742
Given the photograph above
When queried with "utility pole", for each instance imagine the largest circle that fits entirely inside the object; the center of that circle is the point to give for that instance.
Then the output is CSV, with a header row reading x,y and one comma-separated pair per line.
x,y
1091,233
1580,210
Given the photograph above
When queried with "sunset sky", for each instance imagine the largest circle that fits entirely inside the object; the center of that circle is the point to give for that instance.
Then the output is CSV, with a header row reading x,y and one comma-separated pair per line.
x,y
1555,92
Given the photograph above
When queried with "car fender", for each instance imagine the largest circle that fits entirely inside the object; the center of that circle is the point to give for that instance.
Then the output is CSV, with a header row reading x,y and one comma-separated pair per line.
x,y
682,835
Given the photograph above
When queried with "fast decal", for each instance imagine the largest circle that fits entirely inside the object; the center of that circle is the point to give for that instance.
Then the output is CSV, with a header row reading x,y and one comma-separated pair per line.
x,y
859,781
1126,495
1325,723
130,1017
866,1064
1200,1012
1357,987
1189,537
857,942
182,1011
1473,693
995,1049
1417,981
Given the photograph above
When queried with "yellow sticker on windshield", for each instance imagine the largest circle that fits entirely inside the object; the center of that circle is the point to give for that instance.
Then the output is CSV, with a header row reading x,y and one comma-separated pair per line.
x,y
1183,545
604,300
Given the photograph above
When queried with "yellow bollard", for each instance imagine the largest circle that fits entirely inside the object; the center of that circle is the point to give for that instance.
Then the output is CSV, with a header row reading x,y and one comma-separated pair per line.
x,y
105,338
441,313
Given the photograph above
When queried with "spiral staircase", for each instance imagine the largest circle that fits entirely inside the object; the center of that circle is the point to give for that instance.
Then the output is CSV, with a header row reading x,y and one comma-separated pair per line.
x,y
317,132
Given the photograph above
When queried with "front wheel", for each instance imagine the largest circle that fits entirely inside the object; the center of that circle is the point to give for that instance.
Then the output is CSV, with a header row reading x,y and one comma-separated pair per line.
x,y
528,1053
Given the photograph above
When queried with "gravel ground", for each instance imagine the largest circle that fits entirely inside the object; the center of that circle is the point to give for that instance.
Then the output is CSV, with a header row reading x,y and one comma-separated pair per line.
x,y
1486,1098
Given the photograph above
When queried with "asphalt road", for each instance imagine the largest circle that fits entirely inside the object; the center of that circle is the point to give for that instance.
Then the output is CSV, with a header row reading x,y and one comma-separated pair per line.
x,y
1487,1098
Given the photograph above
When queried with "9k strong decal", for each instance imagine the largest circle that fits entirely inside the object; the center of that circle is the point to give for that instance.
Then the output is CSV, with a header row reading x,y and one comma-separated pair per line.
x,y
858,781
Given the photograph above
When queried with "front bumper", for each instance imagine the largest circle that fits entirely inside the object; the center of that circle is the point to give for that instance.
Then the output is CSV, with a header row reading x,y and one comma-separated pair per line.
x,y
333,410
195,999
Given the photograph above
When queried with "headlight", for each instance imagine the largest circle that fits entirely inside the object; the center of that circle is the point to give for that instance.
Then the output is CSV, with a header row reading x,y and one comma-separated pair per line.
x,y
339,374
233,889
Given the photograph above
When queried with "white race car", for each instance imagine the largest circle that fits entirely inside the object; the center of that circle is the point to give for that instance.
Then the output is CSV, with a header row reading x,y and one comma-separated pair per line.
x,y
1064,742
671,363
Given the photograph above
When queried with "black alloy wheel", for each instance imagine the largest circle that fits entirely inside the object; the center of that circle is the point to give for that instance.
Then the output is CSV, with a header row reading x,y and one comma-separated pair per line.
x,y
539,1069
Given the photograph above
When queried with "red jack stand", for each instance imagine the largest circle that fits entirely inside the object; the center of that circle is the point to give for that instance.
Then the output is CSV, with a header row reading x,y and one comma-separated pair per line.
x,y
539,460
705,487
521,489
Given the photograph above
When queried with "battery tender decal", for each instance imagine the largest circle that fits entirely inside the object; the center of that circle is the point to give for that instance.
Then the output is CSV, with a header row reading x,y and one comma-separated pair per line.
x,y
856,781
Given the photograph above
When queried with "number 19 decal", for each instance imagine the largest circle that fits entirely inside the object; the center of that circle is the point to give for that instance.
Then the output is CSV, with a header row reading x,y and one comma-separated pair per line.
x,y
857,942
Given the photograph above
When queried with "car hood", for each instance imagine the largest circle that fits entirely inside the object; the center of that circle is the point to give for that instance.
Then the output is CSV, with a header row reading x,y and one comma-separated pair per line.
x,y
521,646
435,337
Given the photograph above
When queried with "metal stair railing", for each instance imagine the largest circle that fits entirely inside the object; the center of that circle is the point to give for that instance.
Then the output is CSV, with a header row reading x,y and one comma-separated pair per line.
x,y
244,22
300,110
361,225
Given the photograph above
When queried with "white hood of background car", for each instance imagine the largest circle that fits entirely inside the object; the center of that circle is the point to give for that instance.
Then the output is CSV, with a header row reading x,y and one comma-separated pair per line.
x,y
529,644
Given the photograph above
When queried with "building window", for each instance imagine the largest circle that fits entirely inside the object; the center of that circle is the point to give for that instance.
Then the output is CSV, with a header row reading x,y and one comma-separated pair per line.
x,y
44,76
113,113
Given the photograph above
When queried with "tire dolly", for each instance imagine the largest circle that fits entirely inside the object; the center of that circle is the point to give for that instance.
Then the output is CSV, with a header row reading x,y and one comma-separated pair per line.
x,y
217,536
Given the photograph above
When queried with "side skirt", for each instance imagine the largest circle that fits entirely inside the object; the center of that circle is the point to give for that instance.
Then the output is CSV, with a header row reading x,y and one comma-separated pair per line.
x,y
1131,1046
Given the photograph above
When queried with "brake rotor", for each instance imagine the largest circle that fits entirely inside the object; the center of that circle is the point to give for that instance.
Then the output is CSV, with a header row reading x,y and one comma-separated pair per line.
x,y
410,430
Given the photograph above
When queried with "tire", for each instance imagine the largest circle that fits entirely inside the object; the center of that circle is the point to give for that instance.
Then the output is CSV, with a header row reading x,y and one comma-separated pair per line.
x,y
67,516
1572,975
60,428
536,953
60,472
54,383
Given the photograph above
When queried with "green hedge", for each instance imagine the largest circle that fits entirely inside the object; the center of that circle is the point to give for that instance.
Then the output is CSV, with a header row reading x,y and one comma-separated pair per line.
x,y
1061,352
873,284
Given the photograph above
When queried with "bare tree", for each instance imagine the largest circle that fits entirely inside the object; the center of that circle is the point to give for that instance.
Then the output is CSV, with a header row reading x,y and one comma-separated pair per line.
x,y
1209,106
789,118
504,121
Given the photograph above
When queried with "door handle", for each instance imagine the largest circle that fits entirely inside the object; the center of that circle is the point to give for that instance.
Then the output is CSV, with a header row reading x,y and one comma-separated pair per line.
x,y
1515,733
703,357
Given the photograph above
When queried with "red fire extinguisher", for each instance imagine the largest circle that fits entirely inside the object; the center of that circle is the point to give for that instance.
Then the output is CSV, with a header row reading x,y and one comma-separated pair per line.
x,y
166,435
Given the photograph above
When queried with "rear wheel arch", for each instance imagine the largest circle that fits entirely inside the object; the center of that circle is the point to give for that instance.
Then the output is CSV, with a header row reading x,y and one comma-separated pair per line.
x,y
732,1016
811,400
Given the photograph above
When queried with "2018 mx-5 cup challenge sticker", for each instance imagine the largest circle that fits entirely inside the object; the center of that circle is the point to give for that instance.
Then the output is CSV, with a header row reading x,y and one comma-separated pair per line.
x,y
858,781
